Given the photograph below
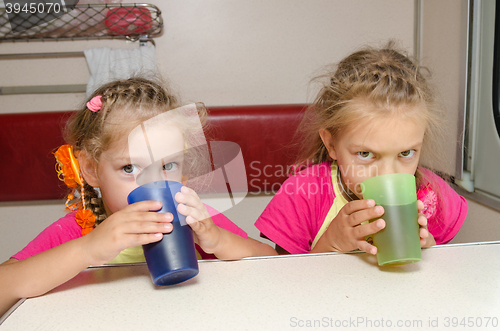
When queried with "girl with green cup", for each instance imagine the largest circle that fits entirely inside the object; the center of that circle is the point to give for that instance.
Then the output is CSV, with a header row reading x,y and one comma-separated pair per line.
x,y
376,114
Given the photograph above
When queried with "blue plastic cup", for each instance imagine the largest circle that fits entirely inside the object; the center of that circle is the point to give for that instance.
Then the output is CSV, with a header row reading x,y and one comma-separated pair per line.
x,y
171,260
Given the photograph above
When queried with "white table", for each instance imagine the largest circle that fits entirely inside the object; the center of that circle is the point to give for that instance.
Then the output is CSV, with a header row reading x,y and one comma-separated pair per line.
x,y
452,285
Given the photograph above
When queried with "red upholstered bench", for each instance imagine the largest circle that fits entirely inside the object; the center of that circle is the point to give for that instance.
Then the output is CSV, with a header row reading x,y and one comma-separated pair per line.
x,y
264,133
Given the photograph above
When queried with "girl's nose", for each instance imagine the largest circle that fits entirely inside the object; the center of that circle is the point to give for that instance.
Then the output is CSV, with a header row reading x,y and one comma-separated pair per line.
x,y
386,172
151,174
386,168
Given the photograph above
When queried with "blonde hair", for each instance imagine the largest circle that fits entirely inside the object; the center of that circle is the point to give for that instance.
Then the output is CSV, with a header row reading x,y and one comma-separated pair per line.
x,y
386,78
136,100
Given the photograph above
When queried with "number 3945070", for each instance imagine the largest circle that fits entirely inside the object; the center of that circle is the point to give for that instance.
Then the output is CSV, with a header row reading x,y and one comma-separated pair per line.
x,y
33,8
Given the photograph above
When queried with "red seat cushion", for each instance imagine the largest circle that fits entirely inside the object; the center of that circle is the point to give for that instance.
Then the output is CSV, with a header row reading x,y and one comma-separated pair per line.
x,y
266,137
264,133
27,142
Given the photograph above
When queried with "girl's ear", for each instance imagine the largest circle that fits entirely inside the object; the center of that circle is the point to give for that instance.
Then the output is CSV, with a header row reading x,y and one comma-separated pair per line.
x,y
88,169
326,137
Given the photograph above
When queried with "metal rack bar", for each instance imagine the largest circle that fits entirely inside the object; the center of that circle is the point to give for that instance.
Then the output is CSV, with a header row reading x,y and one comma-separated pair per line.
x,y
143,41
22,56
43,89
91,21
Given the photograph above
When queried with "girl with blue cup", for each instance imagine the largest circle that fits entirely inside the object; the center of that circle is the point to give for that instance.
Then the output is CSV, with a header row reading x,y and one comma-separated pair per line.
x,y
101,226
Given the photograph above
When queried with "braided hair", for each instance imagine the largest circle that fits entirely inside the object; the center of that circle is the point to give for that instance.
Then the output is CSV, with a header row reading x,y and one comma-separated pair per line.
x,y
384,77
137,99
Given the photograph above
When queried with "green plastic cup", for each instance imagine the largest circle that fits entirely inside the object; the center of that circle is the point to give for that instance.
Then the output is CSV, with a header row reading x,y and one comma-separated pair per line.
x,y
399,242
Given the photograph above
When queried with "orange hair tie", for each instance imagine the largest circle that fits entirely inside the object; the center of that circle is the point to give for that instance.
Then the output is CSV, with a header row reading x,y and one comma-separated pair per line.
x,y
86,219
68,171
67,167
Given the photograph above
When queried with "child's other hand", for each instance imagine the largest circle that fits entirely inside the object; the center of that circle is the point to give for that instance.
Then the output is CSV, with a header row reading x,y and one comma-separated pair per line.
x,y
132,226
346,233
206,233
426,238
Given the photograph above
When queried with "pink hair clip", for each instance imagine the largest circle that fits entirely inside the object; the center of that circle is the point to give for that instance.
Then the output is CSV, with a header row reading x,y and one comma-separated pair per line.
x,y
95,104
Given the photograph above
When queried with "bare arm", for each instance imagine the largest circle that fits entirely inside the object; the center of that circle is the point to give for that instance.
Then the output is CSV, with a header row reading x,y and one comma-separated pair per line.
x,y
36,275
40,273
213,239
232,246
226,245
7,300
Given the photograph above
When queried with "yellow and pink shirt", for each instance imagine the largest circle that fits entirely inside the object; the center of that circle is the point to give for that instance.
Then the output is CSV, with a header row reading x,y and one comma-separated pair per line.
x,y
308,201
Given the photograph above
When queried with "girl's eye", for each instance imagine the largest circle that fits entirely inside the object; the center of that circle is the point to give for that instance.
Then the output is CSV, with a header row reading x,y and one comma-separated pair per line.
x,y
170,166
365,155
130,169
407,154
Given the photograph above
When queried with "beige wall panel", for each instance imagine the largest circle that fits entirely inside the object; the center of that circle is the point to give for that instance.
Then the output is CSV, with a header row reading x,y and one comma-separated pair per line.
x,y
225,52
442,48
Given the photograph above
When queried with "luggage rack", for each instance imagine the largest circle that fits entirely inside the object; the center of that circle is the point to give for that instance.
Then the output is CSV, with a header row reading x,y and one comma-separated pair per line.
x,y
90,21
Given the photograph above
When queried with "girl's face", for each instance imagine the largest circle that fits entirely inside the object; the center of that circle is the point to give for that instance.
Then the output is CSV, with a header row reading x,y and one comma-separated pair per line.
x,y
376,147
122,168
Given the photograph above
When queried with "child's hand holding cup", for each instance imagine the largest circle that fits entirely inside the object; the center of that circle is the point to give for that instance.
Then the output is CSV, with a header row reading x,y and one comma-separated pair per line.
x,y
399,242
173,259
